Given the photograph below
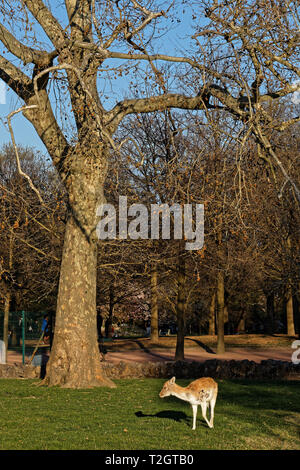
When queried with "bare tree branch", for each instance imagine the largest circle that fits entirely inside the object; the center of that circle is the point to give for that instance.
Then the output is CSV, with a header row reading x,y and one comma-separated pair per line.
x,y
21,172
26,54
15,78
268,147
49,24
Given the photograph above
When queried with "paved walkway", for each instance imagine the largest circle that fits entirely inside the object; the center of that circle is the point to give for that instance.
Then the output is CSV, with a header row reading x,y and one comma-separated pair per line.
x,y
238,354
191,354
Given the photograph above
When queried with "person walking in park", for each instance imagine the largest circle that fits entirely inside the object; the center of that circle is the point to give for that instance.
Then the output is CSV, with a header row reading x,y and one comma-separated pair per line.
x,y
46,329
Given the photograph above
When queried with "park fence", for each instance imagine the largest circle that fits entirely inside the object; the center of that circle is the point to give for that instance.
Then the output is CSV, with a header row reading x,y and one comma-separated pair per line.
x,y
23,332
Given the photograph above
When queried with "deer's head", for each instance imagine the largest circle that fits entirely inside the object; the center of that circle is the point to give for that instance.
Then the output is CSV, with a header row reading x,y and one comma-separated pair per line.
x,y
167,389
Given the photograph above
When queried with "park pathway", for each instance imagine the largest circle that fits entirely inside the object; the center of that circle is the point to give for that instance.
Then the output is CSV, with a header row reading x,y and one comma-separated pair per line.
x,y
191,354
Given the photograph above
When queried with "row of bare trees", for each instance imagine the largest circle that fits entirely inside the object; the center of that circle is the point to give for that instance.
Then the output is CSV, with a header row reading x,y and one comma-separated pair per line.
x,y
251,253
30,233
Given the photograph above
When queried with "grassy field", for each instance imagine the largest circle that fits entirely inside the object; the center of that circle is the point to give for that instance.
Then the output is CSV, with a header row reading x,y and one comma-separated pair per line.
x,y
248,415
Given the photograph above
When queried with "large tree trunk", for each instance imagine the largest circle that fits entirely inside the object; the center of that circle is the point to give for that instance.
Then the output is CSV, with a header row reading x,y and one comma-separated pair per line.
x,y
180,307
220,310
75,358
75,355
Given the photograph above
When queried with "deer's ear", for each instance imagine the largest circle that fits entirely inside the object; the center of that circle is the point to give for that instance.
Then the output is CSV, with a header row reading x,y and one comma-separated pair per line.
x,y
172,381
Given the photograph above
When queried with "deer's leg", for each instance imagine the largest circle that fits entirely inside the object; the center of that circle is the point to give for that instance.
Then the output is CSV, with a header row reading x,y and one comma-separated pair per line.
x,y
204,409
212,407
195,408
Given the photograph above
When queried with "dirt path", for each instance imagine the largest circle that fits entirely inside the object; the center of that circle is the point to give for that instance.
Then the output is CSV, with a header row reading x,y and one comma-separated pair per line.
x,y
256,348
191,354
257,355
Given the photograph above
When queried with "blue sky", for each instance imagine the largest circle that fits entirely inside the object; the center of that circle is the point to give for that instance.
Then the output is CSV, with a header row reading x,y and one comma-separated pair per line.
x,y
25,133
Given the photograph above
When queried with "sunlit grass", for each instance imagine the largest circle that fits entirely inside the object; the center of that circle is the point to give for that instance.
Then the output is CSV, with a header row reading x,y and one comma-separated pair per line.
x,y
248,415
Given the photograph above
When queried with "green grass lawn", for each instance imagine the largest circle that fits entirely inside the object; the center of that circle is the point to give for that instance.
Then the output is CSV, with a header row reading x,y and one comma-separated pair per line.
x,y
248,415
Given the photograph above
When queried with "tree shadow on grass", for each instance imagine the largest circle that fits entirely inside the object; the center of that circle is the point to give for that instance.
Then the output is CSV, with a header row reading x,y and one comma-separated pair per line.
x,y
150,351
177,416
203,346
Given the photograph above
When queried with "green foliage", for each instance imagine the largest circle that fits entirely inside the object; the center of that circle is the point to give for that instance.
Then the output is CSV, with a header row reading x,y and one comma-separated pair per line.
x,y
248,415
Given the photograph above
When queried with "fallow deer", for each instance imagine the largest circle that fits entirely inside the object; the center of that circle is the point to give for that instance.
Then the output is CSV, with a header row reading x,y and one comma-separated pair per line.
x,y
199,392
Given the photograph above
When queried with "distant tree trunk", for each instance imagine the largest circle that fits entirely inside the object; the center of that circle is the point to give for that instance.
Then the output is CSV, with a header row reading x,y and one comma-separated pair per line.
x,y
109,320
7,299
99,324
289,303
297,309
226,318
211,320
241,323
154,306
270,314
199,323
220,310
290,313
5,321
180,308
15,332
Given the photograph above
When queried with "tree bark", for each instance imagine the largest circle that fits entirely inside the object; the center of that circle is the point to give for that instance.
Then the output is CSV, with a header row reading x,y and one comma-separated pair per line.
x,y
154,306
75,358
220,309
226,319
211,320
5,321
7,299
241,323
270,314
75,355
99,324
180,308
297,309
289,303
109,320
290,313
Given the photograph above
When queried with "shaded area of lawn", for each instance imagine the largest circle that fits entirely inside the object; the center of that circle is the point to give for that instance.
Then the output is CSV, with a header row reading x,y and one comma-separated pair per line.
x,y
248,415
